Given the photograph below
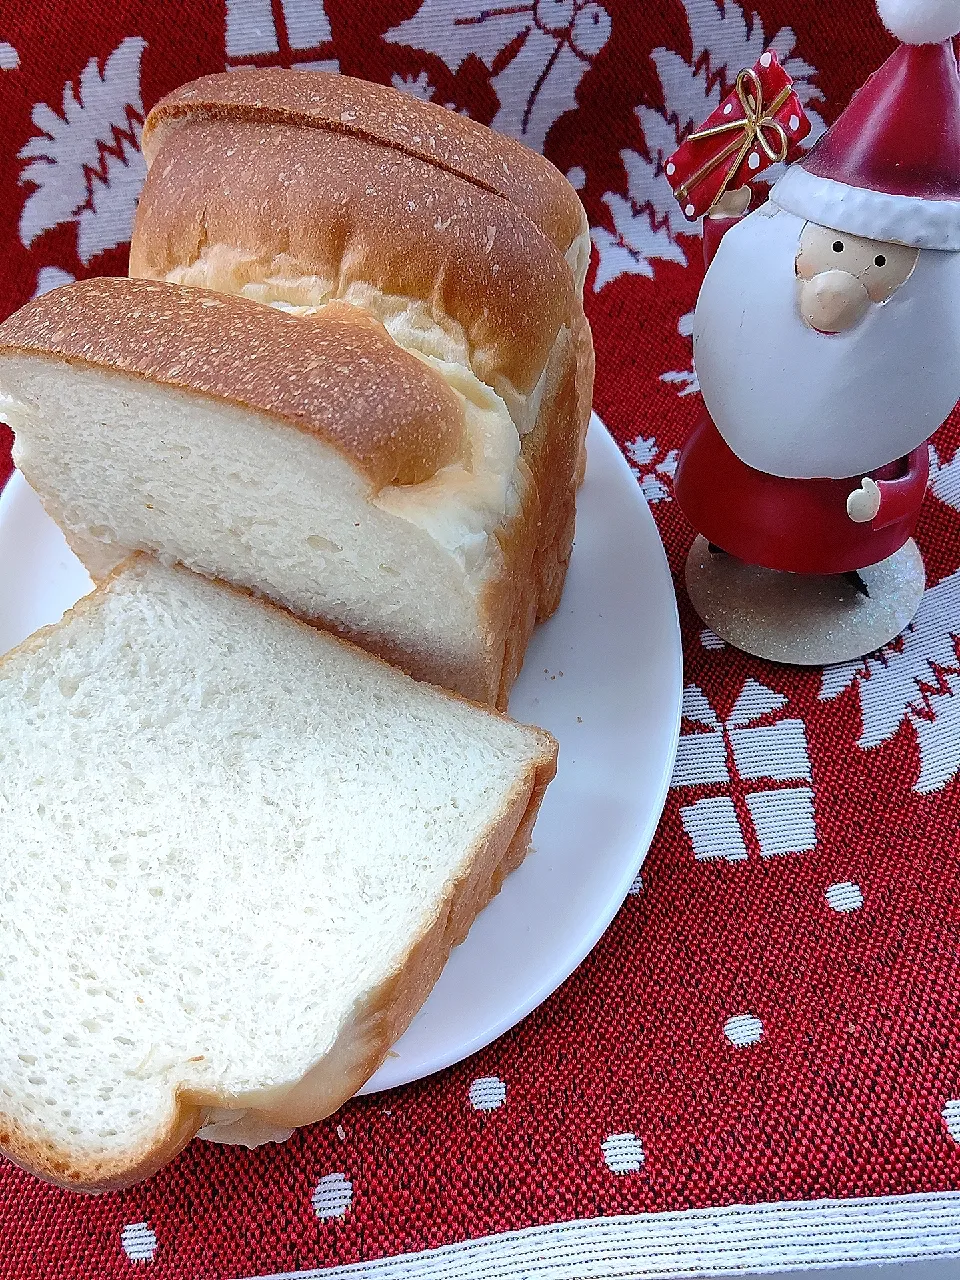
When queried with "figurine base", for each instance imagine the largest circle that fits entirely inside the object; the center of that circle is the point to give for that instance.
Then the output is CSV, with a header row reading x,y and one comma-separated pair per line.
x,y
805,619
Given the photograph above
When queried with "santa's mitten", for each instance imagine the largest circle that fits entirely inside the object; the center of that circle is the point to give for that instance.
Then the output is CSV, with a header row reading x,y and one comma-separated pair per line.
x,y
863,504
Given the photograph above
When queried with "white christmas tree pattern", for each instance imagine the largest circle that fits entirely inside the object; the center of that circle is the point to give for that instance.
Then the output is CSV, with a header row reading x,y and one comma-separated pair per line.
x,y
757,767
914,680
85,165
537,50
295,33
653,467
647,221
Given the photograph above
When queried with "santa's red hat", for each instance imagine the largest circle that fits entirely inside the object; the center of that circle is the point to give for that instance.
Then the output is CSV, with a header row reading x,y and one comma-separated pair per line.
x,y
889,166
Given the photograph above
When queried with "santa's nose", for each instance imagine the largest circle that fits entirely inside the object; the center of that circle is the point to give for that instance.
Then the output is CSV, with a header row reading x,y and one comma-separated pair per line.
x,y
833,301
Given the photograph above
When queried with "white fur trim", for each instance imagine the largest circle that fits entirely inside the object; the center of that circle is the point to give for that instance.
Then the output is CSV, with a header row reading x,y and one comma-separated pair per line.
x,y
920,21
910,220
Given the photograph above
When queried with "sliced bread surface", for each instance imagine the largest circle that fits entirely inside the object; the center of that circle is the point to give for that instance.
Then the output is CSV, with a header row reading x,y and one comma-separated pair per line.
x,y
309,458
234,855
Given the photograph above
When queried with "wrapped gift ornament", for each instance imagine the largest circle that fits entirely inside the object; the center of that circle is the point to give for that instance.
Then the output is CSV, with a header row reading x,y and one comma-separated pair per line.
x,y
757,125
827,348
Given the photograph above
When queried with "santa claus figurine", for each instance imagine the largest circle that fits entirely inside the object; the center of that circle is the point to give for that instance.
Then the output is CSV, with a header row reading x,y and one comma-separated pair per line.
x,y
827,346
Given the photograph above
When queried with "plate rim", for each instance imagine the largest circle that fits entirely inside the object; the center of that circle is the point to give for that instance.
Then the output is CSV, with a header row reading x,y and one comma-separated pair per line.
x,y
563,970
658,569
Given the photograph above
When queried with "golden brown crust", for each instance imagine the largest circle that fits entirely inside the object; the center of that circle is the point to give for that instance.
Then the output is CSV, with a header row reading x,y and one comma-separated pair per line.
x,y
510,602
385,1015
293,203
65,1169
554,452
367,128
378,113
336,374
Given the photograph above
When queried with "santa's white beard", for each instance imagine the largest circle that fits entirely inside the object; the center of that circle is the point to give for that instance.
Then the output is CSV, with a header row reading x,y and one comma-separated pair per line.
x,y
793,402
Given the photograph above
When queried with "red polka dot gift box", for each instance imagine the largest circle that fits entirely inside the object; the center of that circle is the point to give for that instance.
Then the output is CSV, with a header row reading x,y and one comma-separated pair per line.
x,y
758,1065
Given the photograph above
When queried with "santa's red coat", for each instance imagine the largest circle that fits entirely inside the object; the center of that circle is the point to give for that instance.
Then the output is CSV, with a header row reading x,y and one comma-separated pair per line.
x,y
800,526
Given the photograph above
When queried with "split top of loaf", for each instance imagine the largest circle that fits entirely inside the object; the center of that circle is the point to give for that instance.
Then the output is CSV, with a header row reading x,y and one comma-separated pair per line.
x,y
234,854
377,113
293,188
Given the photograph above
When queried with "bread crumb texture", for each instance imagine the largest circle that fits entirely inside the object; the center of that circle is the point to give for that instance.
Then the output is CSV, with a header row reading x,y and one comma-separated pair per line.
x,y
220,831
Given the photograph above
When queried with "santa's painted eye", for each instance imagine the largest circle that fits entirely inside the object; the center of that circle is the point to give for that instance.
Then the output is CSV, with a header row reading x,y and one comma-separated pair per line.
x,y
838,246
880,260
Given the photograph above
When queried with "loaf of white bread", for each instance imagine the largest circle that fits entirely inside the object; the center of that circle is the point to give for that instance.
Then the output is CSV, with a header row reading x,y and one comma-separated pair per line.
x,y
297,187
350,376
391,448
235,852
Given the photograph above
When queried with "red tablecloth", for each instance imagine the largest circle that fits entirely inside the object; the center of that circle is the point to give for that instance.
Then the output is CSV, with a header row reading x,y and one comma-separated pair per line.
x,y
773,1015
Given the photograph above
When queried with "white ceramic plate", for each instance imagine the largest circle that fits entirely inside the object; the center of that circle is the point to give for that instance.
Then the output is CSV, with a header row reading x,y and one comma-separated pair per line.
x,y
603,675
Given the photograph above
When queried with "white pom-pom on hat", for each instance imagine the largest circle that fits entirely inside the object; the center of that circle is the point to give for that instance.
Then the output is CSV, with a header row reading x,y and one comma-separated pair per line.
x,y
920,21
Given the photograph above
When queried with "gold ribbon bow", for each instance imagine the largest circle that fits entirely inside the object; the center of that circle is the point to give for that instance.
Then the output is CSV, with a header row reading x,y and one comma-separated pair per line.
x,y
758,120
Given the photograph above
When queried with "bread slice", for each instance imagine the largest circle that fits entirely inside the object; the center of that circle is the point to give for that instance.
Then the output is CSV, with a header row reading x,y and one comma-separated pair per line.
x,y
293,188
312,459
235,853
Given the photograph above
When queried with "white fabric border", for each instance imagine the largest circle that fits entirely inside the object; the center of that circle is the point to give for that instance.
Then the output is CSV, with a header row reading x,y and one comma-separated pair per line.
x,y
860,211
695,1242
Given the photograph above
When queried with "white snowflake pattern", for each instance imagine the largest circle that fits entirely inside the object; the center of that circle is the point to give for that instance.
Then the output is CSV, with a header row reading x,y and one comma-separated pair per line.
x,y
556,41
9,58
85,165
755,743
49,278
417,86
251,31
652,467
914,680
648,222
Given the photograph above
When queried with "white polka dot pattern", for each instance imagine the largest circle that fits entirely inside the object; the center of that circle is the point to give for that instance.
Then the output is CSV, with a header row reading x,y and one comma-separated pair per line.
x,y
710,640
333,1196
487,1093
623,1153
743,1029
951,1118
139,1241
845,896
